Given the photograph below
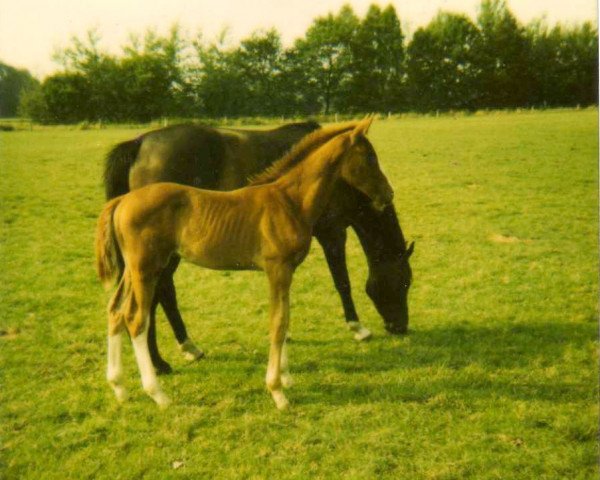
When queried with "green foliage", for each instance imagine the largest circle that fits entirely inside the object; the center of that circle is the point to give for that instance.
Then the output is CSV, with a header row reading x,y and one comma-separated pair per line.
x,y
502,57
141,85
220,87
442,67
326,52
377,63
498,378
68,98
13,83
259,58
342,65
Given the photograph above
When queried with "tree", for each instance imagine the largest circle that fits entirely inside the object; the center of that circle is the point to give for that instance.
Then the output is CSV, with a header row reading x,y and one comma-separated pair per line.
x,y
32,105
298,91
442,64
13,83
144,83
259,60
578,57
326,53
502,57
85,63
67,97
377,62
219,83
150,76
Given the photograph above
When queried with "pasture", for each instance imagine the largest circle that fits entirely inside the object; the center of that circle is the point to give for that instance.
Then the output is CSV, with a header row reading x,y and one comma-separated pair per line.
x,y
498,378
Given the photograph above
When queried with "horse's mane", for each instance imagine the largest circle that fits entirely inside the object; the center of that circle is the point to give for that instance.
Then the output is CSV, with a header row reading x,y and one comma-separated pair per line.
x,y
309,125
299,152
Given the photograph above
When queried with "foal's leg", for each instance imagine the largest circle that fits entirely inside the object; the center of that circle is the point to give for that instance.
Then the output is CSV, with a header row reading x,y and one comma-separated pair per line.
x,y
286,378
116,326
280,278
138,324
334,246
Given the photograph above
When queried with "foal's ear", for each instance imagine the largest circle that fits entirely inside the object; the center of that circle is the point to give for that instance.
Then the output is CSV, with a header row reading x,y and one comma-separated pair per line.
x,y
362,127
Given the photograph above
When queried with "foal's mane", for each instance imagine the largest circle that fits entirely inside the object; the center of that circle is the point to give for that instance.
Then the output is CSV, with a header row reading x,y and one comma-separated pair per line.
x,y
299,152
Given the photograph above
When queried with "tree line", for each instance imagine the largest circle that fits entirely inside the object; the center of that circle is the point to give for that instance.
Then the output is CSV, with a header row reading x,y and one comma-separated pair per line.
x,y
343,64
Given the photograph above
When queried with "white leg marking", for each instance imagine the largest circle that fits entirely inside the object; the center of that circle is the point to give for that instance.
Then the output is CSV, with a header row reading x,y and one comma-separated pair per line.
x,y
274,387
360,332
286,378
147,372
114,370
280,401
190,351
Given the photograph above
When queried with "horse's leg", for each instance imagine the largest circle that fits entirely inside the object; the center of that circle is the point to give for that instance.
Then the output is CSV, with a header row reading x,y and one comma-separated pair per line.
x,y
333,242
280,278
161,366
114,370
138,325
167,296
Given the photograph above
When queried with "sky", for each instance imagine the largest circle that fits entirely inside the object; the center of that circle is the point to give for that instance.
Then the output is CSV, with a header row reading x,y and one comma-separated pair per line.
x,y
31,30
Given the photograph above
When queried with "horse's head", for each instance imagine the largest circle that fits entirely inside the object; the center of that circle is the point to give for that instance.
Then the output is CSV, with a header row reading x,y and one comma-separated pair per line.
x,y
388,286
360,167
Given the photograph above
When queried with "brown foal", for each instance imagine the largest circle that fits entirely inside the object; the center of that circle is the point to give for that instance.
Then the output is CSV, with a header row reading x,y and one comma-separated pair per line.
x,y
264,226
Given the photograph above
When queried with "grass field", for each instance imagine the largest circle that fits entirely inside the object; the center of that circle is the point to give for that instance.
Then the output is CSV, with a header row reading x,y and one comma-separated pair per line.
x,y
497,380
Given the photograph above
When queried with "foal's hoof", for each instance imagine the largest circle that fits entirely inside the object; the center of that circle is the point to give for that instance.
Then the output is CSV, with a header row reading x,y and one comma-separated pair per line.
x,y
120,393
161,400
360,332
163,368
280,401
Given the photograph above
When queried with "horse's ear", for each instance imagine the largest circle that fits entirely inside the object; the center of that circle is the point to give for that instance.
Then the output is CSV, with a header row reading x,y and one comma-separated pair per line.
x,y
411,249
362,127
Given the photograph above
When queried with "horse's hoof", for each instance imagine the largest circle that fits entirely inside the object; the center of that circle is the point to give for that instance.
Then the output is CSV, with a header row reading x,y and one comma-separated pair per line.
x,y
190,351
393,329
163,368
360,333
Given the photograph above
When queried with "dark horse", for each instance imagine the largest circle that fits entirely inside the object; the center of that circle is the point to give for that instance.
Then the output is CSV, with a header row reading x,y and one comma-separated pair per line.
x,y
224,159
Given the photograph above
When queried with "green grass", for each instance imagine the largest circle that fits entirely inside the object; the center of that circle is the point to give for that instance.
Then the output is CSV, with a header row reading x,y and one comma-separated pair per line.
x,y
497,380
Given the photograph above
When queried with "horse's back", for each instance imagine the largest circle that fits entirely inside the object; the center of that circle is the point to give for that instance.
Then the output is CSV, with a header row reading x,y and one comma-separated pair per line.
x,y
187,154
198,155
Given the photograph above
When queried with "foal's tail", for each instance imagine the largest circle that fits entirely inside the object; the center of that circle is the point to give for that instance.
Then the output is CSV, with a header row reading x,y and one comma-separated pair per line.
x,y
109,260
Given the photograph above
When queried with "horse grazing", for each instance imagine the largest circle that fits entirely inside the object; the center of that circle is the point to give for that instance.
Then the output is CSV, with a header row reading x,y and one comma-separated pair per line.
x,y
224,159
265,226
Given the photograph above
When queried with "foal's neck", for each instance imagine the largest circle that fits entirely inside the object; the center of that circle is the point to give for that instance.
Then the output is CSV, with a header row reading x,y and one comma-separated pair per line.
x,y
310,184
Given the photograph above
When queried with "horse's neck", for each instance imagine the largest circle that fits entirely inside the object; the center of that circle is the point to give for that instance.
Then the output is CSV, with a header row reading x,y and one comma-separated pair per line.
x,y
379,234
271,145
310,186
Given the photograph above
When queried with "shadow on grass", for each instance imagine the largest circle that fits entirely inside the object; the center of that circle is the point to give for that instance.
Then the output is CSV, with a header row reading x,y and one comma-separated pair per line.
x,y
475,362
462,362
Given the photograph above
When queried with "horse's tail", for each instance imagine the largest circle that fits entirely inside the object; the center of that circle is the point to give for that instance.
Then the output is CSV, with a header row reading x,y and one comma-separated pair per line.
x,y
109,259
116,169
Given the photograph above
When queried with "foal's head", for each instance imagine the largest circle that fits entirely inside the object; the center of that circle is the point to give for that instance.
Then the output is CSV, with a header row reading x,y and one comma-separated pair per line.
x,y
360,167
